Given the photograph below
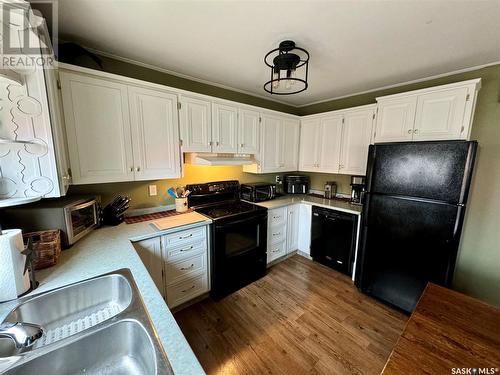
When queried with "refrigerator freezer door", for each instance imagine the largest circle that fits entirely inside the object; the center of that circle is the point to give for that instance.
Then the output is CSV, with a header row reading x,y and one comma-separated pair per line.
x,y
433,170
407,243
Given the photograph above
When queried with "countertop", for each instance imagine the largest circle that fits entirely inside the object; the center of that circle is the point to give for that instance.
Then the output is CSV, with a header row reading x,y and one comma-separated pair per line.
x,y
108,249
336,204
448,330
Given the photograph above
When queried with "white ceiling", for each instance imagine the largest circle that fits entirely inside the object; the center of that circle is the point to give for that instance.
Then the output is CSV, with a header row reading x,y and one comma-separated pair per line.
x,y
355,46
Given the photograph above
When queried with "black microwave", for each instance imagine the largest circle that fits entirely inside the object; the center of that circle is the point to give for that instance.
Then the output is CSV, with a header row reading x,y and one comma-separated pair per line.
x,y
258,191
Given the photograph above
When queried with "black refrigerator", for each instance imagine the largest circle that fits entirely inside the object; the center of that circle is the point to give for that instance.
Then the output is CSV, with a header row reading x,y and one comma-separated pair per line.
x,y
412,217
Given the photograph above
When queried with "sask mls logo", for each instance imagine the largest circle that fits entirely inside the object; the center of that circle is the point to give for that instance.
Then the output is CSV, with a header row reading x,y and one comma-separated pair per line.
x,y
25,41
474,370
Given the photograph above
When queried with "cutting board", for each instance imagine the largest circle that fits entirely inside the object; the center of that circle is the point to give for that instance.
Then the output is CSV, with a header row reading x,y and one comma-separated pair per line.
x,y
179,220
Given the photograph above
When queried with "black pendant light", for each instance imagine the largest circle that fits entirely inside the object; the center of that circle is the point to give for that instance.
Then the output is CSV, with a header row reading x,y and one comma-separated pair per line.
x,y
289,65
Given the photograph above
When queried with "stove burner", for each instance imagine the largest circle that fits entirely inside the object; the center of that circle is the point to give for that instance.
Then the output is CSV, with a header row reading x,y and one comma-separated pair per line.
x,y
227,209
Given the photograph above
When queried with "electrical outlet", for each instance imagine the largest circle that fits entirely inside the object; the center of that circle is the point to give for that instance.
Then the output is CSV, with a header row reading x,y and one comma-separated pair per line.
x,y
152,190
278,179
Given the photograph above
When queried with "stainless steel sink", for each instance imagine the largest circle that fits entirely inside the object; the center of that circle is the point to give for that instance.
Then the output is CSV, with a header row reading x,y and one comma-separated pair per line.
x,y
99,325
120,348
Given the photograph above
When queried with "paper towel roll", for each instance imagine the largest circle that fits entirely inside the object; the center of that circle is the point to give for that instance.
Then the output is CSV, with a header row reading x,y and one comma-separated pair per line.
x,y
13,280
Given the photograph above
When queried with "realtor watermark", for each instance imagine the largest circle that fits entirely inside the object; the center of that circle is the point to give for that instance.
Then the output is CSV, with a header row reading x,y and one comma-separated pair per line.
x,y
475,370
25,40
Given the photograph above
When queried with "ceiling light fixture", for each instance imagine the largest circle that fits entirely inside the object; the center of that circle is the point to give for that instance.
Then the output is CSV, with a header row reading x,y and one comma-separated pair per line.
x,y
288,63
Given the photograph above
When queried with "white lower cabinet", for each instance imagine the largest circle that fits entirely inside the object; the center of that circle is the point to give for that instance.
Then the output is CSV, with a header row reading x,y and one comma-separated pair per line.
x,y
282,231
151,255
178,264
185,259
304,232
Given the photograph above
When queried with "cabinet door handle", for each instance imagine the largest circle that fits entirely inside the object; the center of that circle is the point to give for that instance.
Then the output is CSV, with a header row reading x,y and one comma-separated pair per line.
x,y
138,169
210,143
188,289
241,145
186,249
187,268
410,131
131,169
415,131
184,237
217,143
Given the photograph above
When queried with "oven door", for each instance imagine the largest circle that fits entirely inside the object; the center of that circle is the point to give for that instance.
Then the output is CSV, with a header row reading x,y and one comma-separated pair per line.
x,y
239,252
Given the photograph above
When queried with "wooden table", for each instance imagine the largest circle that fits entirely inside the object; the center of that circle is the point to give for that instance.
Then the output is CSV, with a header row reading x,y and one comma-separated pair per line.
x,y
448,330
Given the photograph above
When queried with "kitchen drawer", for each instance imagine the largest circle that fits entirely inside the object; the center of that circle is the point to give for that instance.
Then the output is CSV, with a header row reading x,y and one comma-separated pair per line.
x,y
185,237
276,216
185,250
180,270
186,290
276,251
276,234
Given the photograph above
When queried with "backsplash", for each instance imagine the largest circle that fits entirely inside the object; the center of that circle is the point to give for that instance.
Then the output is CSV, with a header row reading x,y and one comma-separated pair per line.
x,y
138,190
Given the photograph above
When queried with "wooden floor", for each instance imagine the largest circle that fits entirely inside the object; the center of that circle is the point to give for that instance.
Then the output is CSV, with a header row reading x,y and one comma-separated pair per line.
x,y
300,318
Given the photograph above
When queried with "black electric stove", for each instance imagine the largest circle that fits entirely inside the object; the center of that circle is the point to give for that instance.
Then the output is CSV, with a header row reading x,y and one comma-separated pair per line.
x,y
238,235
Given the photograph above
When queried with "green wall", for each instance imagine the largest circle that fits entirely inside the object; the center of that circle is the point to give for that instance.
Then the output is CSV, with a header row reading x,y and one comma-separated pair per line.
x,y
478,266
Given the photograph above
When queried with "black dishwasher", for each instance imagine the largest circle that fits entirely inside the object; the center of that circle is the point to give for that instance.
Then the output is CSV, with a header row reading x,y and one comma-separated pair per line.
x,y
333,238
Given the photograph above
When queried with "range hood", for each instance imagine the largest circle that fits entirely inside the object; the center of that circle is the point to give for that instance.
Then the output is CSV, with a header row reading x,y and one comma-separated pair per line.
x,y
202,158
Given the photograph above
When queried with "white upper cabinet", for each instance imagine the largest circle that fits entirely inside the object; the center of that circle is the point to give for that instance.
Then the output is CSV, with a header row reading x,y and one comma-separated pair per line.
x,y
395,120
440,115
118,132
437,113
309,140
289,148
329,144
336,142
279,145
249,132
98,129
270,155
155,137
356,139
196,124
224,128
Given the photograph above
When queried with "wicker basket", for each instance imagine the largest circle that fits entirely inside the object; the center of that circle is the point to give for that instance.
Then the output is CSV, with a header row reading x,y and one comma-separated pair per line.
x,y
46,247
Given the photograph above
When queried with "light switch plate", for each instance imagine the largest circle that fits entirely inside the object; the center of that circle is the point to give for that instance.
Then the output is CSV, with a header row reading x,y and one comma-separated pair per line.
x,y
152,190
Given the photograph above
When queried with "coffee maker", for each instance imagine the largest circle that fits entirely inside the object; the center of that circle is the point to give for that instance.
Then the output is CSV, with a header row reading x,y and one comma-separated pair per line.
x,y
357,189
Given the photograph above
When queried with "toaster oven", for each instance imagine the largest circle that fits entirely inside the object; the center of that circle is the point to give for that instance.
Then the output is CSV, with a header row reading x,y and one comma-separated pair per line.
x,y
74,216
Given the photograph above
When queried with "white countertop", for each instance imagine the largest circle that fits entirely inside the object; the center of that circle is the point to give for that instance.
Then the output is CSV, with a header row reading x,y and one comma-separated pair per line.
x,y
334,204
108,249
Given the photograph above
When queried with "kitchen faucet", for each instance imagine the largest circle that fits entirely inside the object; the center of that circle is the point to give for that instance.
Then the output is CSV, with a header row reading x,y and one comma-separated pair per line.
x,y
23,334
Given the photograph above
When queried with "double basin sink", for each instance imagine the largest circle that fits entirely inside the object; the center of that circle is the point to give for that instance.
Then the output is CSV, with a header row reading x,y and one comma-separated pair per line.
x,y
95,326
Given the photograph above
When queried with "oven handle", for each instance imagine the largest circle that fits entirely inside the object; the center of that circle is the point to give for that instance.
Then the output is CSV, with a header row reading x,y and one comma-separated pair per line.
x,y
229,224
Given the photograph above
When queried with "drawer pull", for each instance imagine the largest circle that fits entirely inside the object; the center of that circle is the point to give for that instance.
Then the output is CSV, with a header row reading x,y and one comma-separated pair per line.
x,y
275,251
188,289
187,248
276,217
276,234
184,237
187,268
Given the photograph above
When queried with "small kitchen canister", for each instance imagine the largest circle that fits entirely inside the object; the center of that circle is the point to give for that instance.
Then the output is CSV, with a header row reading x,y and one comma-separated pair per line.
x,y
181,204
